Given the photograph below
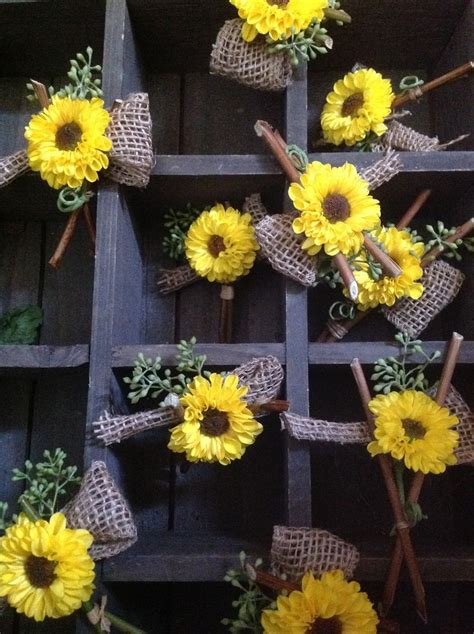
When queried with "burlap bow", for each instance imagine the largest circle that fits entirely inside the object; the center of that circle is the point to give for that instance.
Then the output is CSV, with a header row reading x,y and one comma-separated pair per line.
x,y
131,156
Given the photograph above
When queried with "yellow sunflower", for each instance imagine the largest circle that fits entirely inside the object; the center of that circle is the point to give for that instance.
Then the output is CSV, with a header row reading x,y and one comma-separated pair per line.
x,y
358,105
330,605
218,426
220,244
387,290
67,142
335,207
277,18
412,427
45,570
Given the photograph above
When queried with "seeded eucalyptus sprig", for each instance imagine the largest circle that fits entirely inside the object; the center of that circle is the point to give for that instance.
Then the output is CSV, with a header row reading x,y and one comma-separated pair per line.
x,y
303,46
439,234
177,224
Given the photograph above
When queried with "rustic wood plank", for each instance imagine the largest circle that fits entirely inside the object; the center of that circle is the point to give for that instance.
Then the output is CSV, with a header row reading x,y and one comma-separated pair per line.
x,y
44,357
164,91
342,353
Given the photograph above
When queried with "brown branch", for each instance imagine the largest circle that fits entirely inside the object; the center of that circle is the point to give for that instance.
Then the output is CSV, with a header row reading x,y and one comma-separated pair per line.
x,y
90,226
417,483
274,143
401,523
225,320
269,407
413,209
389,267
41,93
270,581
419,91
56,259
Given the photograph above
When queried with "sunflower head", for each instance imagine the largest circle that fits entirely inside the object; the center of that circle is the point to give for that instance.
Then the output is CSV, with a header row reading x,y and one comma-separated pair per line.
x,y
218,426
45,570
335,208
277,18
220,244
67,142
358,105
330,605
387,290
412,427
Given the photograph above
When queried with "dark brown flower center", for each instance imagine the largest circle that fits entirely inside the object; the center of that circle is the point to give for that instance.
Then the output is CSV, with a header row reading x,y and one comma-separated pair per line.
x,y
352,104
68,136
40,571
214,423
413,428
215,245
326,626
279,3
336,208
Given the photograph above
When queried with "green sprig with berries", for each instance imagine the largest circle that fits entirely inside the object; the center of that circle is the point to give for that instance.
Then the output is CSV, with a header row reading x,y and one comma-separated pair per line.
x,y
177,225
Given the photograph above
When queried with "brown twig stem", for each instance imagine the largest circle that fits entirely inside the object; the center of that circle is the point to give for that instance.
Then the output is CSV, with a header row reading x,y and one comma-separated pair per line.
x,y
461,232
270,581
393,575
269,407
401,523
413,209
389,267
41,93
65,239
225,321
90,226
419,91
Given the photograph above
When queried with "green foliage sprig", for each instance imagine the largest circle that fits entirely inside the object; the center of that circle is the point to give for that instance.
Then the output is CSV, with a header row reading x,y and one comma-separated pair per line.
x,y
20,326
251,602
146,379
439,234
392,374
304,45
177,224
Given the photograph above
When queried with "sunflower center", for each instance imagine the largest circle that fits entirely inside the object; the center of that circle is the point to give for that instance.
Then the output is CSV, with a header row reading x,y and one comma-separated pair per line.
x,y
413,429
326,626
215,245
352,104
68,136
214,423
336,208
40,571
278,3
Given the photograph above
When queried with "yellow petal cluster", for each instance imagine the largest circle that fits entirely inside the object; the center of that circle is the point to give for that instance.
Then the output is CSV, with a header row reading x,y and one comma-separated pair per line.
x,y
385,291
218,426
329,604
358,105
67,142
45,570
220,244
412,427
277,18
335,208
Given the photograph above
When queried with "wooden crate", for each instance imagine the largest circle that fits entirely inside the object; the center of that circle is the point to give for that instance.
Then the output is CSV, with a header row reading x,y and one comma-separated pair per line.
x,y
192,526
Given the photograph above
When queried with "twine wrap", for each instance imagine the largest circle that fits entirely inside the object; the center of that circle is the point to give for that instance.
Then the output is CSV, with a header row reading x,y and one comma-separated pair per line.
x,y
113,429
402,137
442,283
281,246
131,156
172,280
382,171
251,64
253,205
297,550
100,508
263,376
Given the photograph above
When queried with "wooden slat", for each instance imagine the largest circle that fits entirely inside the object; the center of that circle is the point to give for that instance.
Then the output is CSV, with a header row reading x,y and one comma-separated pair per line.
x,y
44,357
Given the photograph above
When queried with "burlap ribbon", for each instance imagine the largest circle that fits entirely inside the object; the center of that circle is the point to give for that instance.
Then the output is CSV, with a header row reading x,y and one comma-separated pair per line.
x,y
313,429
131,157
402,137
297,550
100,508
263,376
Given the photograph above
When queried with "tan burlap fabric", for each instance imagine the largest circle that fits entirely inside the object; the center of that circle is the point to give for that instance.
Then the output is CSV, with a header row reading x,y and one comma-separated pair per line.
x,y
281,246
402,137
382,171
297,550
131,157
442,283
251,64
100,508
172,280
263,376
113,429
305,428
13,166
253,205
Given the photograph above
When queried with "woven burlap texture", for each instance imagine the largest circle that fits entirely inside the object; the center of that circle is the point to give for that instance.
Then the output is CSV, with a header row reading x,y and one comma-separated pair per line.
x,y
402,137
131,156
253,205
263,376
100,508
251,64
382,171
113,429
442,283
281,246
297,550
13,166
172,280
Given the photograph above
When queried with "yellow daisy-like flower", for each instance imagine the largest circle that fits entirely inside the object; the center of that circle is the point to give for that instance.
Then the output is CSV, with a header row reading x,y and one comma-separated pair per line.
x,y
45,570
358,105
67,142
412,427
330,605
277,18
218,426
220,244
387,290
335,207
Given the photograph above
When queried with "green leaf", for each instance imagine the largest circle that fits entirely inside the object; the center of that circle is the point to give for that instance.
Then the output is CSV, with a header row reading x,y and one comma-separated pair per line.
x,y
20,326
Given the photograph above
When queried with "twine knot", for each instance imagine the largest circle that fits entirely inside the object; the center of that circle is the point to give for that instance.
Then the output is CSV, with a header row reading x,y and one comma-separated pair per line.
x,y
96,616
336,329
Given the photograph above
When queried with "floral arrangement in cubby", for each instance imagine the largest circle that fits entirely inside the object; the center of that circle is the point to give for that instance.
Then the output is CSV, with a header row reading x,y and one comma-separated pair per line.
x,y
74,139
213,417
261,47
414,428
48,550
361,112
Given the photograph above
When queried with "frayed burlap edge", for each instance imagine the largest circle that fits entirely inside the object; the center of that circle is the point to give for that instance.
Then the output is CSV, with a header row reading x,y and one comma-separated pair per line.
x,y
173,280
402,137
382,171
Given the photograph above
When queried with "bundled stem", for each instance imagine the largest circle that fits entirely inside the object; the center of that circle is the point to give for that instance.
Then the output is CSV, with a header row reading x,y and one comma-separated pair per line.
x,y
225,321
56,258
121,625
418,479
